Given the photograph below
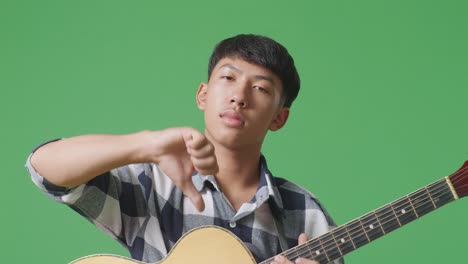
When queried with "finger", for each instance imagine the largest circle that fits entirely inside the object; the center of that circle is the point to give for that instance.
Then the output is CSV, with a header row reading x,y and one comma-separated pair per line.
x,y
206,166
202,151
196,143
302,238
191,136
198,140
191,192
305,261
281,260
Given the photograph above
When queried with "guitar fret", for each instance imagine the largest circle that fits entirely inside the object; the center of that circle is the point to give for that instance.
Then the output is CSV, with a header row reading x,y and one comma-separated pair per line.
x,y
393,210
412,205
421,202
336,243
329,246
363,229
387,218
378,221
317,252
359,236
405,210
294,254
323,250
372,226
350,238
343,240
430,197
442,193
308,250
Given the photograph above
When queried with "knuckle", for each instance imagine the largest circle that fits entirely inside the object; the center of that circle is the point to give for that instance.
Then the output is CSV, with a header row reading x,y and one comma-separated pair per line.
x,y
210,161
210,148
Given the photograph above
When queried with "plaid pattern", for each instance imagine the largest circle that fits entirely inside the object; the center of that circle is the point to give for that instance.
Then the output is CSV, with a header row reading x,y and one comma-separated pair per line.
x,y
139,206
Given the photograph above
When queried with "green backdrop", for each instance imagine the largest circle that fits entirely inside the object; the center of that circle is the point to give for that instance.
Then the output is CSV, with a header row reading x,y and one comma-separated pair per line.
x,y
382,110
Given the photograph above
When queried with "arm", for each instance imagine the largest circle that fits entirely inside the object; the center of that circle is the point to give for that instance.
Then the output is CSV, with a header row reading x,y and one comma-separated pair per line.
x,y
73,161
178,151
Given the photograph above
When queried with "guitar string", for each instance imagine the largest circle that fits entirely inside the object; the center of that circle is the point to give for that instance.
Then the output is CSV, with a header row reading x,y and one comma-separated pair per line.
x,y
365,235
304,248
418,204
456,177
327,247
459,177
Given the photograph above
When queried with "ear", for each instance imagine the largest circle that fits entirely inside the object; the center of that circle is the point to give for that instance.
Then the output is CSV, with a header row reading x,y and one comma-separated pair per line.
x,y
280,120
201,96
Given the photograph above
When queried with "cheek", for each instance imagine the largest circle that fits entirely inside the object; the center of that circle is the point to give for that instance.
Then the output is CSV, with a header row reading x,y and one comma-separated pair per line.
x,y
216,93
213,106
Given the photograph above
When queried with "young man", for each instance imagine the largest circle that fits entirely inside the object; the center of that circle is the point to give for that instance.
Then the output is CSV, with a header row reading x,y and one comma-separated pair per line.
x,y
149,188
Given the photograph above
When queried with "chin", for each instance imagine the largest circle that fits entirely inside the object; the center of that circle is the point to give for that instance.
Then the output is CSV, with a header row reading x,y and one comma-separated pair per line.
x,y
227,136
234,139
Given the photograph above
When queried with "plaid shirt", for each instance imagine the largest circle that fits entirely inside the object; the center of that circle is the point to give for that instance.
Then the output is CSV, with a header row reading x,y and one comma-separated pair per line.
x,y
139,206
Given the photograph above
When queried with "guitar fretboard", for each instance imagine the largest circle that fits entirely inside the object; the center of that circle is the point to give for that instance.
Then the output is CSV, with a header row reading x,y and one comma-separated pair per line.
x,y
361,231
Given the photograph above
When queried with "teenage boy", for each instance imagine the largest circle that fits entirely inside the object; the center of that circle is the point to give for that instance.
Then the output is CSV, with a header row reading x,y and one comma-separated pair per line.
x,y
149,188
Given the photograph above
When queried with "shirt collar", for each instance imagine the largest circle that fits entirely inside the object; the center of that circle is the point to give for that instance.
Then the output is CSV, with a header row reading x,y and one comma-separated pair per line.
x,y
267,180
267,187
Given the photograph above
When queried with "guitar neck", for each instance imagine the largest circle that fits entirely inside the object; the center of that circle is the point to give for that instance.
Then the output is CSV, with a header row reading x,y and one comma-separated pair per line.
x,y
367,228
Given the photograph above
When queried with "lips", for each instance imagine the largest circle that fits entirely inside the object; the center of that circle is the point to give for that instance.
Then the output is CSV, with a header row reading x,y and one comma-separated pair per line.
x,y
232,118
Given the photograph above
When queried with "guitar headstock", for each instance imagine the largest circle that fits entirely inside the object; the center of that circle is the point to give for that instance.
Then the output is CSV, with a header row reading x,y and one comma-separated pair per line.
x,y
459,180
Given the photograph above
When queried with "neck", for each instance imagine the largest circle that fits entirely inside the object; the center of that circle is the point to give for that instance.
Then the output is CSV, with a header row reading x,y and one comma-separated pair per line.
x,y
238,175
238,168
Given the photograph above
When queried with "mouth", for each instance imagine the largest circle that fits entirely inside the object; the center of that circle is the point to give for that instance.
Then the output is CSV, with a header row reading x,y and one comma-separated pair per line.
x,y
232,118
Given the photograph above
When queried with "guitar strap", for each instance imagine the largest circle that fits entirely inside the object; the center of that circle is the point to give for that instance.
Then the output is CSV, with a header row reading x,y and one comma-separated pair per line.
x,y
277,216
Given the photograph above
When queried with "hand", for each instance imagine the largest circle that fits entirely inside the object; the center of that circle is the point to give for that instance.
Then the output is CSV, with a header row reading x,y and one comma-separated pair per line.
x,y
181,151
283,260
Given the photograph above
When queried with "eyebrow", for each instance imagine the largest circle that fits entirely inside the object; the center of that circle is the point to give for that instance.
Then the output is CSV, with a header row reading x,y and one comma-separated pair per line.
x,y
232,67
257,76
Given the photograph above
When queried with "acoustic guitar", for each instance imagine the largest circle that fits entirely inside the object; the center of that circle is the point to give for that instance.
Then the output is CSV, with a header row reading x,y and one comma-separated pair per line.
x,y
214,245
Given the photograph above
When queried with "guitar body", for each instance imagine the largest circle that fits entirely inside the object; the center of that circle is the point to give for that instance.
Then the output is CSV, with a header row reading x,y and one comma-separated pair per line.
x,y
203,245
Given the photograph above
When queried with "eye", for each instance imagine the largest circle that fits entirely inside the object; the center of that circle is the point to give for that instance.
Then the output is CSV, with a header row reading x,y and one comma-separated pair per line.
x,y
261,89
227,77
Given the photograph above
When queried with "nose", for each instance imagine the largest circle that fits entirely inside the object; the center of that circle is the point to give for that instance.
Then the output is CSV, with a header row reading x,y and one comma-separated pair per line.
x,y
238,96
239,101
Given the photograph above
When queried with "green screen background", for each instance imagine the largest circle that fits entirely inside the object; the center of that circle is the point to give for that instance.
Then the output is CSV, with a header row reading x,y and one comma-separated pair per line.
x,y
381,112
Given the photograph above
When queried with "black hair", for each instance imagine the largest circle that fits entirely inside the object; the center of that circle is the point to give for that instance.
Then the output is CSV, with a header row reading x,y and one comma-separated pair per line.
x,y
262,51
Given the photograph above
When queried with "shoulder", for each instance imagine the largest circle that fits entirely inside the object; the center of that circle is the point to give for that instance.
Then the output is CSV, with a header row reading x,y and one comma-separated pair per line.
x,y
292,192
296,197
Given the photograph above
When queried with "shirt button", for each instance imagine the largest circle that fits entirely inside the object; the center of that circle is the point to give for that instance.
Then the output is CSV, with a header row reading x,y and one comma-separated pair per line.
x,y
232,224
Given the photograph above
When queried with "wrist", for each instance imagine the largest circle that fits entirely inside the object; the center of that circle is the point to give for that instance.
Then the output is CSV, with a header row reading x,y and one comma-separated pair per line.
x,y
142,146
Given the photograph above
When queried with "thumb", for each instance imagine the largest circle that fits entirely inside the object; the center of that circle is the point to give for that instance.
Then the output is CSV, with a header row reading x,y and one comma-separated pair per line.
x,y
195,197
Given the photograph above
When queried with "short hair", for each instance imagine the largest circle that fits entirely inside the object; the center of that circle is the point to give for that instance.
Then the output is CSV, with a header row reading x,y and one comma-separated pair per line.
x,y
262,51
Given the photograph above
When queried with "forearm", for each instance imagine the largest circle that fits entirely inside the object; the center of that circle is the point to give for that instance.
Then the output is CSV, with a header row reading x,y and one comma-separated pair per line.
x,y
74,161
